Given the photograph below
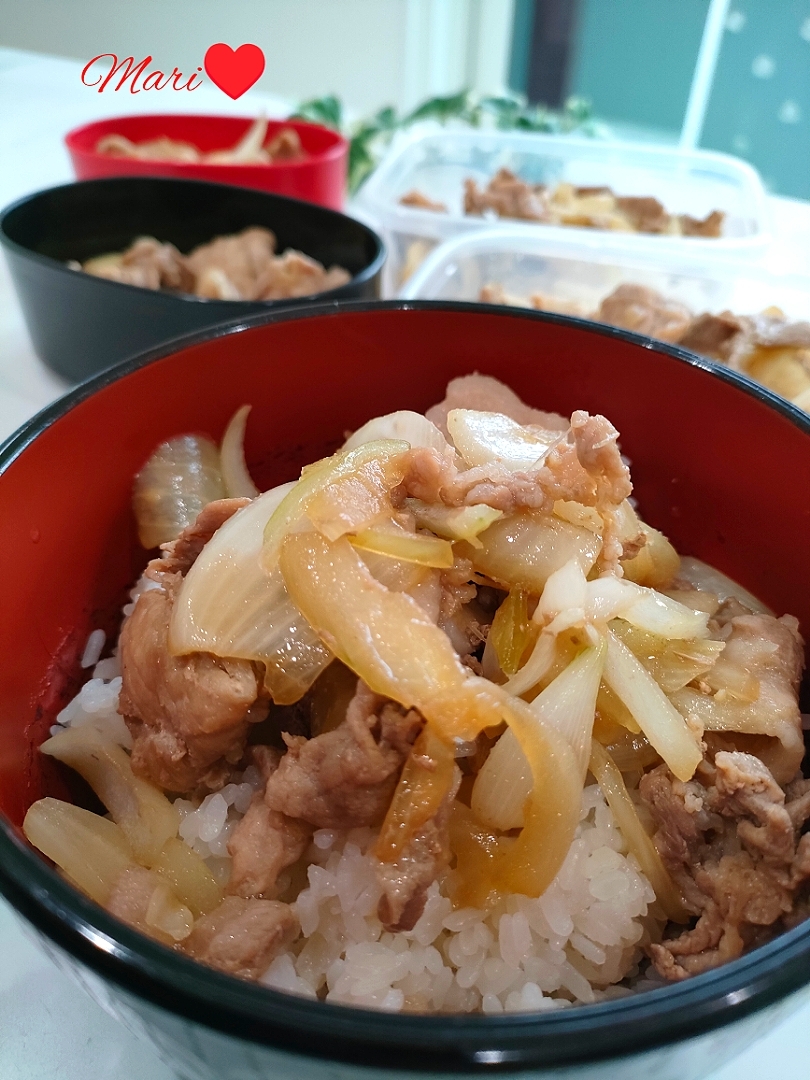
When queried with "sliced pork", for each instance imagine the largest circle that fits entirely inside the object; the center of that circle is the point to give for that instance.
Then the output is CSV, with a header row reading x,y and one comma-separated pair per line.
x,y
345,778
188,715
242,937
406,880
731,840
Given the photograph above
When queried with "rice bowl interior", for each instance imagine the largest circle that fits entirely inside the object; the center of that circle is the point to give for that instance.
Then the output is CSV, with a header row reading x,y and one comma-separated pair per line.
x,y
508,930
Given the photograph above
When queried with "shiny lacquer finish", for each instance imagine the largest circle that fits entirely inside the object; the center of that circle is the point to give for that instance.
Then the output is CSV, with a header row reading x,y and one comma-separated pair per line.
x,y
80,324
319,176
720,465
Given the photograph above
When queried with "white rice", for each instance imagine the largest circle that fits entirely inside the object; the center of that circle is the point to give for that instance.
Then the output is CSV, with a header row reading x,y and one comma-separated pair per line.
x,y
568,946
582,935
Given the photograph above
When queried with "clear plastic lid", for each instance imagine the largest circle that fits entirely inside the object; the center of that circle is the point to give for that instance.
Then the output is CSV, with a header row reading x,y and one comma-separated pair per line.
x,y
584,273
685,182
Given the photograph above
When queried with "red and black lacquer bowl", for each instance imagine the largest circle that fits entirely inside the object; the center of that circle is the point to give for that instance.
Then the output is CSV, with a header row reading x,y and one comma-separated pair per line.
x,y
722,466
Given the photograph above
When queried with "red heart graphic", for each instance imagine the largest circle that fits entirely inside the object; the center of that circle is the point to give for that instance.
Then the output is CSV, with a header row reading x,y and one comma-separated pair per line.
x,y
234,71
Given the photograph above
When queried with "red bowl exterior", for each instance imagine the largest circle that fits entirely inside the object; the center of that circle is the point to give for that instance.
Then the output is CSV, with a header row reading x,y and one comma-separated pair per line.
x,y
320,177
720,465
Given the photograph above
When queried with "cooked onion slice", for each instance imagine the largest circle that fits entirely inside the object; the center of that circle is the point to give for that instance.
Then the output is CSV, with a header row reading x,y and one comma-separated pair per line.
x,y
658,614
706,578
568,599
656,564
536,667
403,426
392,645
503,785
525,549
425,781
143,812
673,663
230,606
235,476
190,879
484,438
409,547
454,523
657,717
511,631
611,782
340,494
179,479
91,850
567,704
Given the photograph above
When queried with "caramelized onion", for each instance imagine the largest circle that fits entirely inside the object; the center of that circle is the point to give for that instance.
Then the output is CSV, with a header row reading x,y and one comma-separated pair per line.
x,y
425,781
392,645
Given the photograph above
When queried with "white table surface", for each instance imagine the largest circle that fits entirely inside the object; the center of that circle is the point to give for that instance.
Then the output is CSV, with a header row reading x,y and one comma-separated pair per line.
x,y
48,1030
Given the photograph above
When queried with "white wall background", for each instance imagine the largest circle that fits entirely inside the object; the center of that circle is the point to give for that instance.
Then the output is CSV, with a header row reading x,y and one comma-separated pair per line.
x,y
369,52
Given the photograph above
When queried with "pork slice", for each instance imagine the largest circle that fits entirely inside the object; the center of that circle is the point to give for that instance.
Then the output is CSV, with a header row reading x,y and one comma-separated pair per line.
x,y
296,274
730,840
285,146
635,307
486,394
645,214
773,332
712,335
771,651
179,555
711,225
406,880
146,263
682,821
745,789
262,845
188,714
742,898
243,936
345,778
585,466
420,201
130,899
507,196
240,259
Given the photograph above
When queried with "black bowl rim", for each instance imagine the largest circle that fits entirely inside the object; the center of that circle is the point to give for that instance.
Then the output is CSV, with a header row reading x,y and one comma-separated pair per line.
x,y
468,1043
368,273
339,148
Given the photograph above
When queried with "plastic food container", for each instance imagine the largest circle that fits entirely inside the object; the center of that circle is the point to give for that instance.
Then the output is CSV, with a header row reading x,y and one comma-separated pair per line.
x,y
437,164
570,269
319,177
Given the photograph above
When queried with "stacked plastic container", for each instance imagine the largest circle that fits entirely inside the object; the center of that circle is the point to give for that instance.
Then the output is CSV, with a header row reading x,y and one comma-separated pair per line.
x,y
451,255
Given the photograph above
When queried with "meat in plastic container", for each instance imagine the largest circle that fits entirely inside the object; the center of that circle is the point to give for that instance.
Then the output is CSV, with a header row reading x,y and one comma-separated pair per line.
x,y
571,270
437,164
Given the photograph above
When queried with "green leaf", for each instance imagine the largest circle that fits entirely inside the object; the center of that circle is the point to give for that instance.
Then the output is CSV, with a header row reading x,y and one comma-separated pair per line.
x,y
327,110
369,137
441,108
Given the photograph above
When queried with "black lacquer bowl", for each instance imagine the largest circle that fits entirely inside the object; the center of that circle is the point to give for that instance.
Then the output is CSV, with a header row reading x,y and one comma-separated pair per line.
x,y
81,325
721,465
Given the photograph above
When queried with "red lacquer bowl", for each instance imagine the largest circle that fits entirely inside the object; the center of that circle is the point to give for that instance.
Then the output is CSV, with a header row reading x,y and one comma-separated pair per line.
x,y
320,177
721,465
